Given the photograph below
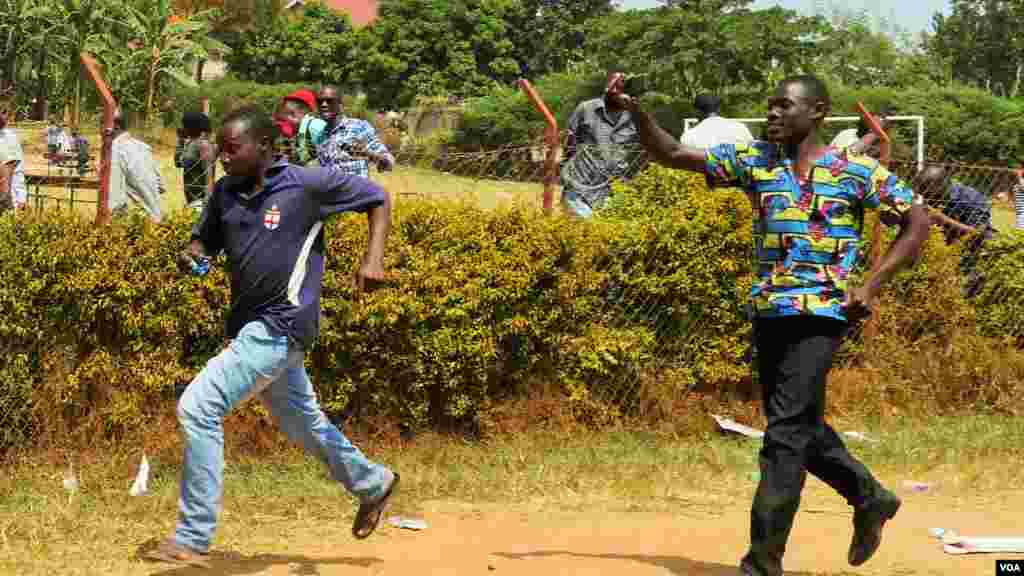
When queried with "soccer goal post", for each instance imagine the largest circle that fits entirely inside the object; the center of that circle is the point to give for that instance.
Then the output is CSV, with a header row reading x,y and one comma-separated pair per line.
x,y
917,121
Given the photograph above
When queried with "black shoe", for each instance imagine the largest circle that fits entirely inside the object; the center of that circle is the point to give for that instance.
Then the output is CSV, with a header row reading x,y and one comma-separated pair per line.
x,y
867,526
748,567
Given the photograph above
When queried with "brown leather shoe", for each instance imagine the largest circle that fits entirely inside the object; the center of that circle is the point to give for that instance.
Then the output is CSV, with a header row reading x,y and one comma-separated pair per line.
x,y
173,553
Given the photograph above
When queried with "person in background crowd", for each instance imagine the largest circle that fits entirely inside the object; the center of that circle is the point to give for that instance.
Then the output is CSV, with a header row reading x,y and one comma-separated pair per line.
x,y
54,133
958,209
9,139
8,165
134,173
807,232
1018,199
196,156
81,149
713,129
601,147
962,212
350,144
296,120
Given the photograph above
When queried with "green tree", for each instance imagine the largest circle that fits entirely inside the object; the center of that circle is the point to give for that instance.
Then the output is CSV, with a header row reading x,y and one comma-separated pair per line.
x,y
71,27
558,30
317,46
687,47
983,41
459,48
165,45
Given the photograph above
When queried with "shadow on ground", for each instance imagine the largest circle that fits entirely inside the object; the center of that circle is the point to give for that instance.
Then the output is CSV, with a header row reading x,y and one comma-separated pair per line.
x,y
676,565
233,563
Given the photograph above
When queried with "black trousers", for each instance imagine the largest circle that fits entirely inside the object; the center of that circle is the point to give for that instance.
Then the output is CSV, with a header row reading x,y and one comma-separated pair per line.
x,y
794,358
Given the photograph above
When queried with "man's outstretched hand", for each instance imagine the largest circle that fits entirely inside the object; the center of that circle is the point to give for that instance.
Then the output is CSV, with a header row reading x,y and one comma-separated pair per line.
x,y
189,263
858,303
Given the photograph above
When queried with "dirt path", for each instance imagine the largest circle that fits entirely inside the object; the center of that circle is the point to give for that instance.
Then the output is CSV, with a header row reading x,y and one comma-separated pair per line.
x,y
692,540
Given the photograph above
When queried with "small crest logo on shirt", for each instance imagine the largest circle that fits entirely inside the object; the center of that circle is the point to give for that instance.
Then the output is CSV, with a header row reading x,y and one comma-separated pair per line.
x,y
272,218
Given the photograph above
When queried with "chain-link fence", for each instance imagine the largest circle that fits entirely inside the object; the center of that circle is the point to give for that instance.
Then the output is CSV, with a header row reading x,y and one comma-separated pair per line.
x,y
976,196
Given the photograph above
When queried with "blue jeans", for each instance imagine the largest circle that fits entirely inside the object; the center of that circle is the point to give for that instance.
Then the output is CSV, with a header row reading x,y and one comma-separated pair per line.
x,y
257,362
575,204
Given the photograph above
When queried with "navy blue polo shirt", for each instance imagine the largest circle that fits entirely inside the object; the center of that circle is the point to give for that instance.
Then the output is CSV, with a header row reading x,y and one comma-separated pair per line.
x,y
274,241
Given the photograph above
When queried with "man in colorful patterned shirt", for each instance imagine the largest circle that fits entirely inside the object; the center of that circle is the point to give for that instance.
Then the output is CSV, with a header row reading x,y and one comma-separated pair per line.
x,y
809,201
349,143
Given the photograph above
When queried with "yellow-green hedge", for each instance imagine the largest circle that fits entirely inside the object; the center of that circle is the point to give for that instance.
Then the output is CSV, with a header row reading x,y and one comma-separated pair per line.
x,y
98,329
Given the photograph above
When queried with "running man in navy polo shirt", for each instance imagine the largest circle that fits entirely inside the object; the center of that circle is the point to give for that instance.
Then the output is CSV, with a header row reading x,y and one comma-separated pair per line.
x,y
267,217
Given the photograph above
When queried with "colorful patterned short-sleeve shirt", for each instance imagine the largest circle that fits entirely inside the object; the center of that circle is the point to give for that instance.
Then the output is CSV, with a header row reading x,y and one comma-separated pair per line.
x,y
807,233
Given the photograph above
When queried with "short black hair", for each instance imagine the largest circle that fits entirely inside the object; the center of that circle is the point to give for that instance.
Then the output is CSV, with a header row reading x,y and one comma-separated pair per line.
x,y
193,120
813,85
257,122
707,104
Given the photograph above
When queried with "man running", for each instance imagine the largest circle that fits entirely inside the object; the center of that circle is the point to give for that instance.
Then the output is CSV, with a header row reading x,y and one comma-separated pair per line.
x,y
808,204
267,217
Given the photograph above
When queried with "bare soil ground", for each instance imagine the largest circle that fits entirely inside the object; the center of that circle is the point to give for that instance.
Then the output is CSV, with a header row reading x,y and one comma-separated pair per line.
x,y
696,537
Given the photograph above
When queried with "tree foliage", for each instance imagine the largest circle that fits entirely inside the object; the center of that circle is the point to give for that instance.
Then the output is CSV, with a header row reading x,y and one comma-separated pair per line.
x,y
983,43
459,48
316,46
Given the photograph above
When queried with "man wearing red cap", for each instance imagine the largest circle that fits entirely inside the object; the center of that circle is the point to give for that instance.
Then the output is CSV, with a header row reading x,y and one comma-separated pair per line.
x,y
295,119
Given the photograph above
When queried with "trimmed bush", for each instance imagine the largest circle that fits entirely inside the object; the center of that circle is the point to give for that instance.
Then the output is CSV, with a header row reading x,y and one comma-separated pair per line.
x,y
623,313
1001,300
100,329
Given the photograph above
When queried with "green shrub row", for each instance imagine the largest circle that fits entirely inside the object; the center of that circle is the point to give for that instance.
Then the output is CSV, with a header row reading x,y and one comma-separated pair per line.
x,y
98,329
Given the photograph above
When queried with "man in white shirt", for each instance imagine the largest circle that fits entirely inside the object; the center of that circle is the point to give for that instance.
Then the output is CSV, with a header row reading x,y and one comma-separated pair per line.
x,y
8,164
713,130
134,173
9,139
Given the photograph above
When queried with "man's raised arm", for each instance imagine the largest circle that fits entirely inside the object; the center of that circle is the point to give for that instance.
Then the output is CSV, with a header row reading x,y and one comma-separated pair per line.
x,y
663,147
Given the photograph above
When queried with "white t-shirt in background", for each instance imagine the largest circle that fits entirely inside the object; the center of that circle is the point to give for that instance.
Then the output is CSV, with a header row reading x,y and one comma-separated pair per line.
x,y
715,130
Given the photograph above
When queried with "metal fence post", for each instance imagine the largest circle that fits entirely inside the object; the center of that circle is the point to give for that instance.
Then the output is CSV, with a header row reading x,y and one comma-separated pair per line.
x,y
553,141
109,105
885,145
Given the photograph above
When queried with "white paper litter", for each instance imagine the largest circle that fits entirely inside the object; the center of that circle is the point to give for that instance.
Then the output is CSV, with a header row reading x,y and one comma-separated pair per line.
x,y
918,486
407,523
861,436
70,482
733,426
953,543
141,484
